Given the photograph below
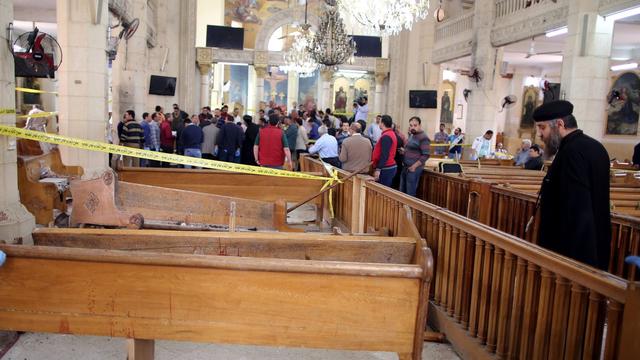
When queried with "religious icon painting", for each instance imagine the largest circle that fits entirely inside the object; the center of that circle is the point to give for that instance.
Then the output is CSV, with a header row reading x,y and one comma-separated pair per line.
x,y
623,105
530,100
447,102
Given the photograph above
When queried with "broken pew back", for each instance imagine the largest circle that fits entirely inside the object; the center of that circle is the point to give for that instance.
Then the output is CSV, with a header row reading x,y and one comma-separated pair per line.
x,y
109,202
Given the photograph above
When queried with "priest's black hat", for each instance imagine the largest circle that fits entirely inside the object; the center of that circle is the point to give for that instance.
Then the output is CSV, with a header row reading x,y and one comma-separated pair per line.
x,y
553,110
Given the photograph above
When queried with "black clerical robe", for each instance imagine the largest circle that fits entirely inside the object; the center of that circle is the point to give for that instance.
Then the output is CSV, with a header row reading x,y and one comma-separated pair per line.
x,y
574,204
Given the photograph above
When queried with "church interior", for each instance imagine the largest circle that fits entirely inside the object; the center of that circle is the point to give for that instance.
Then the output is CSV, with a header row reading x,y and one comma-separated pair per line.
x,y
112,251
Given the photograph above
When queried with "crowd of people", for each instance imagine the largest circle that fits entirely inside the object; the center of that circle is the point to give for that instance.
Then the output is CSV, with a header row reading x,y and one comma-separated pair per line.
x,y
277,138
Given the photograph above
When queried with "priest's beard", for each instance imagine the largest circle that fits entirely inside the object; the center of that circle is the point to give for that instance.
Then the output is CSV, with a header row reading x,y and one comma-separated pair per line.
x,y
552,143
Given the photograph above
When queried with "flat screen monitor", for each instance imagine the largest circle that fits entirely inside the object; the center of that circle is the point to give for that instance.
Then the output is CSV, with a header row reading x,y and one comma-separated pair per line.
x,y
369,46
162,85
225,37
426,99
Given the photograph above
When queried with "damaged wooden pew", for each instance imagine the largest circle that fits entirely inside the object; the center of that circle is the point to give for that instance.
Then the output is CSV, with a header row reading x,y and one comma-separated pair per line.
x,y
106,201
245,186
296,290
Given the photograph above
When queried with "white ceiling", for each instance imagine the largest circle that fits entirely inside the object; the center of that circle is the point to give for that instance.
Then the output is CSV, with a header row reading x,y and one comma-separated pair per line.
x,y
35,10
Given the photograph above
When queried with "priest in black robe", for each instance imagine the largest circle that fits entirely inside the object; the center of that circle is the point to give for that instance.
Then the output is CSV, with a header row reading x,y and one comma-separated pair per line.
x,y
575,218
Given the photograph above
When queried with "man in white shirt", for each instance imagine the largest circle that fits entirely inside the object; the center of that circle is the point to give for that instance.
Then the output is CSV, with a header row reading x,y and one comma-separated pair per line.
x,y
327,148
482,146
362,110
373,132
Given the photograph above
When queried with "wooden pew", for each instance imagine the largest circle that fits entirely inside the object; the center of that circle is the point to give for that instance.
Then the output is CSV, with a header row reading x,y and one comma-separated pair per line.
x,y
297,291
39,197
496,296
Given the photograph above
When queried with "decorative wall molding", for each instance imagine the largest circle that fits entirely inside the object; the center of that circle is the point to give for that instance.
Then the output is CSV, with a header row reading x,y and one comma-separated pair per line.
x,y
528,23
279,19
607,7
454,51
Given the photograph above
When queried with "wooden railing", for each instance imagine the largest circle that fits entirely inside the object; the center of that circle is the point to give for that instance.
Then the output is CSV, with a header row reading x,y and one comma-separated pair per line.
x,y
496,294
509,210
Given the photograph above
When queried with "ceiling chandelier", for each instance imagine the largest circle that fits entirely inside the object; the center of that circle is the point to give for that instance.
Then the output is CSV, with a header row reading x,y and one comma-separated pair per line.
x,y
297,58
331,45
386,17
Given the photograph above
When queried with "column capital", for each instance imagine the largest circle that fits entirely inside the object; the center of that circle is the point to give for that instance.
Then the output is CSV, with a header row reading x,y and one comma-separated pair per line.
x,y
204,68
261,71
382,70
327,74
204,56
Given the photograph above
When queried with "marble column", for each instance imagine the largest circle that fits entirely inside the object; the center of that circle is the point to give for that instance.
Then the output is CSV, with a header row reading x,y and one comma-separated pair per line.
x,y
129,69
15,221
292,89
82,81
481,115
377,104
261,73
585,65
205,85
325,98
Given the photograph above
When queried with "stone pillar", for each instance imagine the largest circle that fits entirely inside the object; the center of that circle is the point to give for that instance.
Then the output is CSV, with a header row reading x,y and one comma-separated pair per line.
x,y
382,71
585,65
15,221
187,72
325,97
129,69
82,81
481,115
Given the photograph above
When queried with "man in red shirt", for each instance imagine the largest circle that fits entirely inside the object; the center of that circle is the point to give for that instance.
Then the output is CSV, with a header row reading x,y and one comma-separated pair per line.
x,y
383,156
271,148
166,136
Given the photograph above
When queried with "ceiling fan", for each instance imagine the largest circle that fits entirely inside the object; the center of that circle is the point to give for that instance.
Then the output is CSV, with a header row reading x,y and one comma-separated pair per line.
x,y
532,50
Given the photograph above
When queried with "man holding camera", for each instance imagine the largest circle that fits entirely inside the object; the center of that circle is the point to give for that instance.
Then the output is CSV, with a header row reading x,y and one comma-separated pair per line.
x,y
362,109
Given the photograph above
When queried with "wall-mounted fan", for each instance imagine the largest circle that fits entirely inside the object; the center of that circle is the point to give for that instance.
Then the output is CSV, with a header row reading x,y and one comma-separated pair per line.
x,y
465,94
36,54
532,50
476,75
508,101
128,29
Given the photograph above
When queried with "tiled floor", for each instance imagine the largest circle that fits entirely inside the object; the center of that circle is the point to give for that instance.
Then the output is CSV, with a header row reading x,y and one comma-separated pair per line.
x,y
38,346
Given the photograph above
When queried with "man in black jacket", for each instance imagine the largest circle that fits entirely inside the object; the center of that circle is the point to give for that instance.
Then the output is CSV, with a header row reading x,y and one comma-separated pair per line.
x,y
575,218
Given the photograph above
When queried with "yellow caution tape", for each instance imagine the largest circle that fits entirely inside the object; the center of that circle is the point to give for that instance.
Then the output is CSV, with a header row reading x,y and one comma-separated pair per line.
x,y
34,91
449,144
150,155
334,178
7,111
37,115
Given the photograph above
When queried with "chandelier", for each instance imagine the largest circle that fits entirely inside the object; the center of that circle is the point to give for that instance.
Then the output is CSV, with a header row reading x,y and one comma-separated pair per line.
x,y
386,17
297,58
331,46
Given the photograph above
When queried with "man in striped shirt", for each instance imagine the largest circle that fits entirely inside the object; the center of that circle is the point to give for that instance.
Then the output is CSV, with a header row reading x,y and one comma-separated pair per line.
x,y
131,136
416,154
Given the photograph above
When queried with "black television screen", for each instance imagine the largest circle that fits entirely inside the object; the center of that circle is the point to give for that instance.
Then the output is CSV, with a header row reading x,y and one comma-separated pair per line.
x,y
225,37
162,85
370,46
427,99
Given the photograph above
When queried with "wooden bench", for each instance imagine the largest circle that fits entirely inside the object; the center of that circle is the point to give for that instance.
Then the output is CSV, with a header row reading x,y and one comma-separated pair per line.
x,y
39,197
297,290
